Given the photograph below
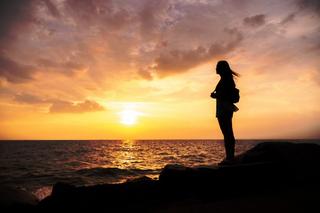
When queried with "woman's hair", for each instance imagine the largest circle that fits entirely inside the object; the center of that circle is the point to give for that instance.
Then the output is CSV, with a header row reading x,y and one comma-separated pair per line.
x,y
224,69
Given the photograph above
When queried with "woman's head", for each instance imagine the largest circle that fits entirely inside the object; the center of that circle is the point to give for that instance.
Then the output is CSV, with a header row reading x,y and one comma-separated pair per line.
x,y
224,70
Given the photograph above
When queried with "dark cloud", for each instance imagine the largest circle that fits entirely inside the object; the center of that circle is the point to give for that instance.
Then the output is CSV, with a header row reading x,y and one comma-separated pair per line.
x,y
66,67
26,98
105,14
81,107
15,16
178,61
19,19
151,16
6,92
15,72
52,9
289,18
311,5
255,21
57,105
86,11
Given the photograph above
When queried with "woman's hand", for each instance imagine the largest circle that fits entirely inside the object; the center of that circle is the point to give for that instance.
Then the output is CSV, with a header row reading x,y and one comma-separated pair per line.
x,y
213,95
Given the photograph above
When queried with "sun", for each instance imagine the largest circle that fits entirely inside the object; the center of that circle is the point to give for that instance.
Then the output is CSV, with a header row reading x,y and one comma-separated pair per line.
x,y
129,117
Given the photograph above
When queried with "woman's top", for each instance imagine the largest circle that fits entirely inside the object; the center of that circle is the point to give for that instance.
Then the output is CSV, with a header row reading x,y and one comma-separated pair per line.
x,y
223,95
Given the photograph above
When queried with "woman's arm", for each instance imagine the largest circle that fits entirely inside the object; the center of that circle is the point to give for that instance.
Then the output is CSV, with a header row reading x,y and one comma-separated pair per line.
x,y
223,90
216,93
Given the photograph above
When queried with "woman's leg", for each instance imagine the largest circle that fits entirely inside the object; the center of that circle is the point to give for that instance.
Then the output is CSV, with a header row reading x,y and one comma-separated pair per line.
x,y
225,123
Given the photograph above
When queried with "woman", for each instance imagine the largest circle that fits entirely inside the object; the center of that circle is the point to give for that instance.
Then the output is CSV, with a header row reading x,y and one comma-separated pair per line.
x,y
225,107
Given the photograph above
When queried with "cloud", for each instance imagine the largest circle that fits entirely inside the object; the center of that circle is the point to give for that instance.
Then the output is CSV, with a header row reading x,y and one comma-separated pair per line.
x,y
255,21
58,105
80,107
15,16
289,18
315,75
119,39
145,73
66,67
179,61
15,72
105,14
310,5
52,9
26,98
151,17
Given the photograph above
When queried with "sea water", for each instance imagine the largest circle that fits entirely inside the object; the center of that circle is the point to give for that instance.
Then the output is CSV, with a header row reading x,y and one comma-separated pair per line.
x,y
36,165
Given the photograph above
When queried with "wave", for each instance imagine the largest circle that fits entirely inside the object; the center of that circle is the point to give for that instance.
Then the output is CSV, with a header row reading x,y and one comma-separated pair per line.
x,y
115,172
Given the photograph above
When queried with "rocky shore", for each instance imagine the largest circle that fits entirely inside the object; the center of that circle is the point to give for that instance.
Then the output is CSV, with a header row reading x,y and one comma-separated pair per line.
x,y
272,176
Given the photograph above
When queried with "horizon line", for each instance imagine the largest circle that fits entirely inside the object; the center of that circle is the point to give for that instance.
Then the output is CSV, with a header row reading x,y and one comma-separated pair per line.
x,y
158,139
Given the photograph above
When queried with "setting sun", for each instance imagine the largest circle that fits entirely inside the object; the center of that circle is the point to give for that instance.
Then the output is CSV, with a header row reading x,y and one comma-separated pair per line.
x,y
129,117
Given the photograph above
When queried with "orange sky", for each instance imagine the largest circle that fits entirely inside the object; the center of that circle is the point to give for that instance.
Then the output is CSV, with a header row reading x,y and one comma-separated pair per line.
x,y
145,69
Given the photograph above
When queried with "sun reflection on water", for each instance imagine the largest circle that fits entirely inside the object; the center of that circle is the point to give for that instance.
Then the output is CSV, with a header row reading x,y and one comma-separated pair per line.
x,y
125,156
142,155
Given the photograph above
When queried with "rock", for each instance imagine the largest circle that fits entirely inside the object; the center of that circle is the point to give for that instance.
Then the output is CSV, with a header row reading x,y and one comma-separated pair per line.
x,y
10,197
266,165
141,179
61,189
302,160
110,197
282,152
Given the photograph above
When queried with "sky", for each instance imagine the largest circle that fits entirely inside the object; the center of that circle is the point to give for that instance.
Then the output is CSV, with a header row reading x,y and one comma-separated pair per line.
x,y
144,69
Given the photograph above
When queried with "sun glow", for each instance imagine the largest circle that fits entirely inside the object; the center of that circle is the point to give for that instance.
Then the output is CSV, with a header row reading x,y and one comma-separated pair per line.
x,y
129,117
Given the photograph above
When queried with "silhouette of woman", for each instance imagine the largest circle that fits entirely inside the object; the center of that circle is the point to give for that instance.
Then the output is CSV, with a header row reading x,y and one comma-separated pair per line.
x,y
225,107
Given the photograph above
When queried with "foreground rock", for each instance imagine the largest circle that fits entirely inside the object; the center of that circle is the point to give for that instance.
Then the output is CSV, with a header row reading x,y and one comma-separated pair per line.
x,y
267,164
16,198
271,176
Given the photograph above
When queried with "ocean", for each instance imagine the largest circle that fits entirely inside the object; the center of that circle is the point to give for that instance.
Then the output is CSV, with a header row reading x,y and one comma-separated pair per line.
x,y
36,165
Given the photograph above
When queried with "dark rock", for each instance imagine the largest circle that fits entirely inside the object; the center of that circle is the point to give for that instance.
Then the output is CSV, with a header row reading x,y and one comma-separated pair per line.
x,y
107,196
302,160
269,162
141,180
61,188
10,197
282,152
